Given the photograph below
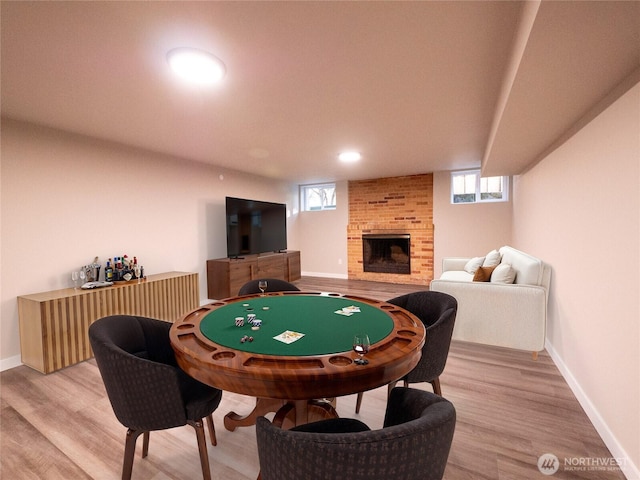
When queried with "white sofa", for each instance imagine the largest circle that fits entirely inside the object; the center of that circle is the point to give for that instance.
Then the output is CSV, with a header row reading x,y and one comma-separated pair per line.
x,y
492,312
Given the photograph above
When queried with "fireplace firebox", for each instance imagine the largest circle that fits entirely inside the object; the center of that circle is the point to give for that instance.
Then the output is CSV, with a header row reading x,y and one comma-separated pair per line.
x,y
386,253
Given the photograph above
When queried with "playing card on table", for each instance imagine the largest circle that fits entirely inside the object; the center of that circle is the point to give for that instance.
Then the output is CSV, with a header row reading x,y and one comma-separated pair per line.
x,y
348,311
288,336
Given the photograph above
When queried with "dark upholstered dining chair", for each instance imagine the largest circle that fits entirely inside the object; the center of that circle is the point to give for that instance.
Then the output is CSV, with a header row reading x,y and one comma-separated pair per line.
x,y
273,285
146,388
438,313
413,444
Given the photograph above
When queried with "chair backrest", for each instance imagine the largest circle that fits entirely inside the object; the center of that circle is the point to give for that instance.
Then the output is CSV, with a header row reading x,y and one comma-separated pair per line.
x,y
273,285
139,371
413,445
437,311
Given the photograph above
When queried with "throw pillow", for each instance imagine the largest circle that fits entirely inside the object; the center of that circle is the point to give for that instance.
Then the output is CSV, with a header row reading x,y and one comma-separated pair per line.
x,y
483,274
504,273
473,265
492,259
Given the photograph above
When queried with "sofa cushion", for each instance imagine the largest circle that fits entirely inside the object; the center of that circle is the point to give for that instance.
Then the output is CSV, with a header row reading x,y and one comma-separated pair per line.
x,y
483,274
473,265
529,270
456,276
492,259
503,273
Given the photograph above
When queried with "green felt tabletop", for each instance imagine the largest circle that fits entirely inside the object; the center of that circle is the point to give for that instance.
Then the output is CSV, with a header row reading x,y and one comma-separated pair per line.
x,y
325,332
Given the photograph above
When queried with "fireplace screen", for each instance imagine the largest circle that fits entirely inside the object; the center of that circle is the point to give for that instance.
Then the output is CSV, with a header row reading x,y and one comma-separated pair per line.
x,y
386,253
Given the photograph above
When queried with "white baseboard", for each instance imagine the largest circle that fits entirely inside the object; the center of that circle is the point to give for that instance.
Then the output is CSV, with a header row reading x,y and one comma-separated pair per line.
x,y
342,276
629,469
11,362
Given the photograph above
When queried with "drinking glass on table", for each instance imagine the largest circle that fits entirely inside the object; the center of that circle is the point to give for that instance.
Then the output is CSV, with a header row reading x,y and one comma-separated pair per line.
x,y
262,285
361,347
75,275
83,276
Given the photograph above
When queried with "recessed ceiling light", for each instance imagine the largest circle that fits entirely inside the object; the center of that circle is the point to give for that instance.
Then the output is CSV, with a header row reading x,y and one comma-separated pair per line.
x,y
196,66
350,156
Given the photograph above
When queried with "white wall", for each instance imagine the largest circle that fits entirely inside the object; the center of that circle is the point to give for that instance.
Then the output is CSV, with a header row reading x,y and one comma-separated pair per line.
x,y
579,210
470,230
324,237
66,199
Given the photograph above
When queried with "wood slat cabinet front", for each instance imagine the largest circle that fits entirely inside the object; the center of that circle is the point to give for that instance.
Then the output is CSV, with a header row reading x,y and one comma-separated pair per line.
x,y
225,276
54,325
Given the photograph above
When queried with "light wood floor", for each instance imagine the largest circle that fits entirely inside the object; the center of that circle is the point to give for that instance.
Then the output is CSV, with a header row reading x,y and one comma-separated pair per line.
x,y
510,409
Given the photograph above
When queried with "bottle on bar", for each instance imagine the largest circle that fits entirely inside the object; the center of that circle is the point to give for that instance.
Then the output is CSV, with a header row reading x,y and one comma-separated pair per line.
x,y
117,272
108,272
118,267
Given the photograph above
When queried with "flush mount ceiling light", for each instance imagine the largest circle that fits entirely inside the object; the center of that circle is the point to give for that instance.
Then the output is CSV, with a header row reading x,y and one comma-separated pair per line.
x,y
196,66
349,156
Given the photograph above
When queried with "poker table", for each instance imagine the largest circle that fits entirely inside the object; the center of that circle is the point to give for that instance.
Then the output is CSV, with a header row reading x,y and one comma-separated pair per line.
x,y
301,352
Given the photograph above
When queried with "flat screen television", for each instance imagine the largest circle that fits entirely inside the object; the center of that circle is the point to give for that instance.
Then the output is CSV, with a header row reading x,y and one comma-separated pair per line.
x,y
255,227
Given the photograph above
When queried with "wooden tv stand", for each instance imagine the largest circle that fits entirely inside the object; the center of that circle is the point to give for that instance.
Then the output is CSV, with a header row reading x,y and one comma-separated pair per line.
x,y
225,276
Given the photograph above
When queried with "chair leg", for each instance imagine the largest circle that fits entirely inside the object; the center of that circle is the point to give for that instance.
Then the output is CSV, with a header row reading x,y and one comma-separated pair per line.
x,y
361,394
359,402
435,383
390,387
129,451
212,430
202,448
145,444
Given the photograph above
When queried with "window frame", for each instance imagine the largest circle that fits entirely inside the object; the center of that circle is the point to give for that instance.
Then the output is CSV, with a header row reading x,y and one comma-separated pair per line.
x,y
477,193
303,197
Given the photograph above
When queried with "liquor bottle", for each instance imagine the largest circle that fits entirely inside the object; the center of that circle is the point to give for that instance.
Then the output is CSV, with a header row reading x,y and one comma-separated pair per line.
x,y
126,265
117,271
108,272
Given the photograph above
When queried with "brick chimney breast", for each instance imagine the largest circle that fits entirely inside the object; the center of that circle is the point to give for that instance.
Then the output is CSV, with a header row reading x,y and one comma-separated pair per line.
x,y
394,205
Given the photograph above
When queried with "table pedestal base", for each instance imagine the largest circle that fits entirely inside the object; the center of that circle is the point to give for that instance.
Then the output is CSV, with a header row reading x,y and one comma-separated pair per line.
x,y
289,413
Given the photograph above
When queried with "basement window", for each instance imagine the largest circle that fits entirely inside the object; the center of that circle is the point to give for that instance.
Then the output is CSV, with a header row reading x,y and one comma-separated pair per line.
x,y
469,187
318,197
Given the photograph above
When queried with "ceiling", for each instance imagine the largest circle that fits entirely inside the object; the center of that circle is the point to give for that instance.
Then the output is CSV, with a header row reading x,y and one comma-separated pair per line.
x,y
415,86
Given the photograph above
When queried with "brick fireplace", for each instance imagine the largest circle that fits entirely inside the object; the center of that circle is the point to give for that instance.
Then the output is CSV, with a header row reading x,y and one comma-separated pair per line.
x,y
390,211
386,253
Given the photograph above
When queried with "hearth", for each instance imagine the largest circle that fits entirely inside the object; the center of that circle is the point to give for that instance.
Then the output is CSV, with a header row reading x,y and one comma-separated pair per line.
x,y
386,253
